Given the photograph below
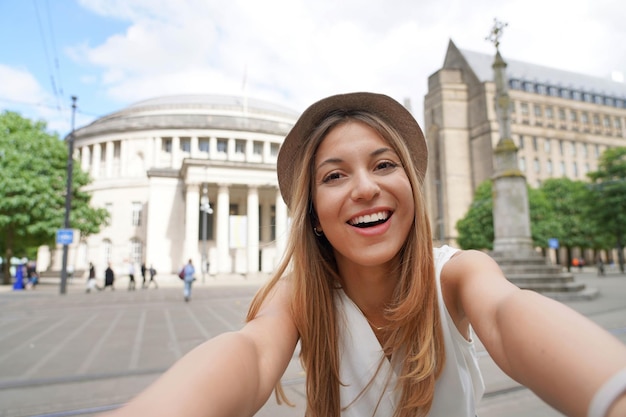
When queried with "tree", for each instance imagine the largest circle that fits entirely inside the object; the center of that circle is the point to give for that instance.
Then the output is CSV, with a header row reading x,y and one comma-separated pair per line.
x,y
568,201
33,166
475,230
609,191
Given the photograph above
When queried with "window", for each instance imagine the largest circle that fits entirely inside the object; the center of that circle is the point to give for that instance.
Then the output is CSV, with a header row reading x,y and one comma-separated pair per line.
x,y
549,167
524,109
522,164
562,164
617,123
549,112
538,112
561,147
521,141
240,146
136,215
607,121
596,119
536,165
583,146
117,149
257,147
598,100
136,251
166,145
273,223
584,117
561,114
106,251
597,149
222,145
572,146
203,145
274,149
185,145
575,169
546,145
573,116
109,208
535,145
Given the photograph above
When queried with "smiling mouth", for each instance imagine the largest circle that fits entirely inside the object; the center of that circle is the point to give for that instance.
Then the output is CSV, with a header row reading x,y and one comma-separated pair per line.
x,y
370,220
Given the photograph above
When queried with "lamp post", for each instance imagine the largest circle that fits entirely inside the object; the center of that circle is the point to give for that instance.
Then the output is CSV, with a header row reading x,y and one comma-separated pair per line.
x,y
206,209
68,196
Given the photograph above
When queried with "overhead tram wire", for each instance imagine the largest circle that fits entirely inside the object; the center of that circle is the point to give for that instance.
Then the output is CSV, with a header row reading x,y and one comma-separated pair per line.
x,y
45,48
55,55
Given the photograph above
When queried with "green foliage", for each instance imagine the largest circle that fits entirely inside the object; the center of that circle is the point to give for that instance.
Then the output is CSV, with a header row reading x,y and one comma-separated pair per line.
x,y
476,228
33,168
608,190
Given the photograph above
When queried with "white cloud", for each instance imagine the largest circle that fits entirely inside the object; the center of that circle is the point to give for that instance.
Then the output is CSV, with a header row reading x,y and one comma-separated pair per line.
x,y
295,51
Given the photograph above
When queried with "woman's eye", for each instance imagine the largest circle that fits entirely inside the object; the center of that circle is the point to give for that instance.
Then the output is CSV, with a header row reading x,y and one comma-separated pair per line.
x,y
386,165
330,177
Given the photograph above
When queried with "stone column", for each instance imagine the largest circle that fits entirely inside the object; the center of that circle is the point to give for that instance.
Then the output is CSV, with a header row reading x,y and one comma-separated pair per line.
x,y
223,224
192,209
95,161
511,213
253,230
281,226
85,154
109,155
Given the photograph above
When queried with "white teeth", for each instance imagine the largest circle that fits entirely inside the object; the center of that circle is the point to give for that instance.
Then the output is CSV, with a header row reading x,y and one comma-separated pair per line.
x,y
370,218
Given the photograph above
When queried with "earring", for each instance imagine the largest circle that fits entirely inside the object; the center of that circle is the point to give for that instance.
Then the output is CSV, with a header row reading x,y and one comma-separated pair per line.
x,y
318,233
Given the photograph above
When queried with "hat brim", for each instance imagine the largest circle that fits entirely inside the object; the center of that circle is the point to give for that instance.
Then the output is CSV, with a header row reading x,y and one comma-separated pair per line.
x,y
394,113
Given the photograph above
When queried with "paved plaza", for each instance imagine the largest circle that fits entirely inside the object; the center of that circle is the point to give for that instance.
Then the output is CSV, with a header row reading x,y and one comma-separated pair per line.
x,y
77,354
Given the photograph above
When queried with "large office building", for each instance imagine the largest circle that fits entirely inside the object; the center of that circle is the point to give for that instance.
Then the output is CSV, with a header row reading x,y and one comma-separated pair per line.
x,y
561,123
185,177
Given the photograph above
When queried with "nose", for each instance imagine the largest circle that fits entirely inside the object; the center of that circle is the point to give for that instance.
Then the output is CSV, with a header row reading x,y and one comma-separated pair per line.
x,y
365,186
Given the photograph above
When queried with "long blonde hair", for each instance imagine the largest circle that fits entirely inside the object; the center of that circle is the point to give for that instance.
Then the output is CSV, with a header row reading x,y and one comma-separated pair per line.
x,y
415,327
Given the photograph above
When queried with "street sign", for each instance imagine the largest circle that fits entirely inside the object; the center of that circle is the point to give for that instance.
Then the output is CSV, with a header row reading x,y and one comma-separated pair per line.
x,y
553,243
65,236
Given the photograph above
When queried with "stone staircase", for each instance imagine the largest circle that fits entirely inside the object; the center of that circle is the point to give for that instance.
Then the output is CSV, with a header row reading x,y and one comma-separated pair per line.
x,y
532,271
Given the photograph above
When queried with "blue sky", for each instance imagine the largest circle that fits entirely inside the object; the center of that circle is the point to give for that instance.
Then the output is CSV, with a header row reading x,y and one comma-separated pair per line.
x,y
111,53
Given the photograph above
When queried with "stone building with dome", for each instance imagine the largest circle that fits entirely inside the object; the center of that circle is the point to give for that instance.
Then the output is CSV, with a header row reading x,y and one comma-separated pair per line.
x,y
184,177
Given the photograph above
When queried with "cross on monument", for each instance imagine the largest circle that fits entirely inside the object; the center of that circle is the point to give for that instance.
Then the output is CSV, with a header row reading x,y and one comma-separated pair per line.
x,y
496,32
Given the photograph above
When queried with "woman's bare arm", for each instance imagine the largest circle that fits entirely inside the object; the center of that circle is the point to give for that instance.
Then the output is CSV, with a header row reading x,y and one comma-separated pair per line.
x,y
541,343
232,374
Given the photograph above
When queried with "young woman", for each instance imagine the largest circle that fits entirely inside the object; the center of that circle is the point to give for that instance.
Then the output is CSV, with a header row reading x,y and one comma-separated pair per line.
x,y
386,322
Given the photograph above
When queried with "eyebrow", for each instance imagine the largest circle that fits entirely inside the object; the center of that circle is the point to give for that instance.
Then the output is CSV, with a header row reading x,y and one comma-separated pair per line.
x,y
377,152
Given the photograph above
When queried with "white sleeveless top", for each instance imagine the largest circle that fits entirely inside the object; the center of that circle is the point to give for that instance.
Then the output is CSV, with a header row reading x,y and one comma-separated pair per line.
x,y
457,391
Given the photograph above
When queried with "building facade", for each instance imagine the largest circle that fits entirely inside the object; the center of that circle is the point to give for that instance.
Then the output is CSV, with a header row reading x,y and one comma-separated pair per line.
x,y
561,123
185,177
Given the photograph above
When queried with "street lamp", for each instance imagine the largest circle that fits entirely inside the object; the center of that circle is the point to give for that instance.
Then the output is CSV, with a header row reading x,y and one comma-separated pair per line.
x,y
205,207
68,197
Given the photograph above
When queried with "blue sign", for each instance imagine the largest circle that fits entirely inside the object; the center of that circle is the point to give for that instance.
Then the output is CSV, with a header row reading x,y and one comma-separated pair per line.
x,y
65,236
553,243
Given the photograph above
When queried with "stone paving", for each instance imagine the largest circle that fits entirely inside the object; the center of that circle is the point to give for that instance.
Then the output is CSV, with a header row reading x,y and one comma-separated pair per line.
x,y
77,354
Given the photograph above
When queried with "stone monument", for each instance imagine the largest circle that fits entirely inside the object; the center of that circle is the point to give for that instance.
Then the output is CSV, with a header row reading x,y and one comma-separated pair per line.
x,y
513,245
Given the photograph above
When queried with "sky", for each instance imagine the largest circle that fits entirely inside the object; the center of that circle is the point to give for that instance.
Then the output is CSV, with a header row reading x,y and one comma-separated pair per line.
x,y
112,53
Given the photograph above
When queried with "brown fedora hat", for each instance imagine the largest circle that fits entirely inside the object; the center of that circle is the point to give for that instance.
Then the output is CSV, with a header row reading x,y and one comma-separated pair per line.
x,y
394,113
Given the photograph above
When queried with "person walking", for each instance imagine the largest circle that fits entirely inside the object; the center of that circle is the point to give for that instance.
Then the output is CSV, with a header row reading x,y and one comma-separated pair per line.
x,y
109,278
91,279
152,275
143,275
188,272
131,276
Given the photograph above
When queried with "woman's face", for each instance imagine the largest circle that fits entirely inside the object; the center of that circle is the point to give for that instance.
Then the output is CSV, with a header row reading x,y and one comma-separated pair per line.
x,y
362,196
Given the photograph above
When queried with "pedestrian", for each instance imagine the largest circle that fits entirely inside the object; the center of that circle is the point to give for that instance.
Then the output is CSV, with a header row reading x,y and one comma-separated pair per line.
x,y
18,285
131,276
188,278
109,278
600,266
91,279
152,275
143,275
386,324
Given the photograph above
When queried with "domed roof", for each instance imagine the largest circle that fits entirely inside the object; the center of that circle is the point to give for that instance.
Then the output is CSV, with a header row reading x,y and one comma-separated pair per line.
x,y
195,111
